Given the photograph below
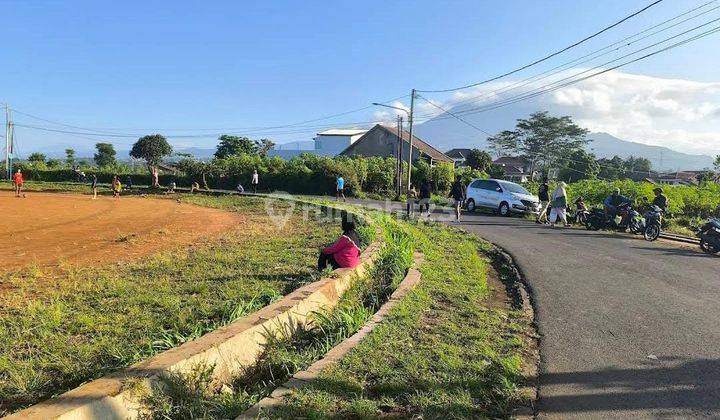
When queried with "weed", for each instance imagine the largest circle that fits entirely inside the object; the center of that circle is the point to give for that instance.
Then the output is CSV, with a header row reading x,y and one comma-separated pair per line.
x,y
60,329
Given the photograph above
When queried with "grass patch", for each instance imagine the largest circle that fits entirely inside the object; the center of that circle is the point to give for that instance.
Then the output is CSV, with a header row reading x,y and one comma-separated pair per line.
x,y
61,328
196,395
441,353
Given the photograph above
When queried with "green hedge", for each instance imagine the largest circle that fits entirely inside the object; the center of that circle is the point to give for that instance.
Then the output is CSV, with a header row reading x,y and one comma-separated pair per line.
x,y
305,174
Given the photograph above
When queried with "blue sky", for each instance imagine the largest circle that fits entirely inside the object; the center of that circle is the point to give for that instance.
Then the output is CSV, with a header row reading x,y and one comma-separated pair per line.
x,y
227,64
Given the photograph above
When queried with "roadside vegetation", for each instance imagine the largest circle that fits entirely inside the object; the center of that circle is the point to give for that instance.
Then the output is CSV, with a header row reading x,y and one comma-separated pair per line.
x,y
63,326
195,394
444,352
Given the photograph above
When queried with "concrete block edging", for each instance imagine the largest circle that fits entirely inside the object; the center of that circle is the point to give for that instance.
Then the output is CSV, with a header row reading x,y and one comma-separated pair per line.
x,y
303,378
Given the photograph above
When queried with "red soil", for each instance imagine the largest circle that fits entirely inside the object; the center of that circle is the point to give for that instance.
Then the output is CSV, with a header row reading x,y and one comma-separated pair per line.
x,y
47,229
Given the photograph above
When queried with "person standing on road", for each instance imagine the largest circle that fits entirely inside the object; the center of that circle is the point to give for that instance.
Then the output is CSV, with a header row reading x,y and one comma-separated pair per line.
x,y
425,194
255,181
457,193
340,188
544,198
19,181
559,205
93,177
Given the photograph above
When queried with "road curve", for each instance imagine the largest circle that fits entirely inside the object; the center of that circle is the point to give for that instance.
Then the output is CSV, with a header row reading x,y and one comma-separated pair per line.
x,y
629,328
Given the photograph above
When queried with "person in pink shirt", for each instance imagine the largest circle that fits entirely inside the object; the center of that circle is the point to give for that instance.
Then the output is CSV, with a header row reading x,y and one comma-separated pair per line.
x,y
345,252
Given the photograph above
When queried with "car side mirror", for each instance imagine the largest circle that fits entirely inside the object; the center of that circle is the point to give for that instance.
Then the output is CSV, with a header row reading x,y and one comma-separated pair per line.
x,y
498,189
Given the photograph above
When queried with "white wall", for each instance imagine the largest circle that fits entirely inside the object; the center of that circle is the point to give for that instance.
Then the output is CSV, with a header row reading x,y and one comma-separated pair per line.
x,y
332,145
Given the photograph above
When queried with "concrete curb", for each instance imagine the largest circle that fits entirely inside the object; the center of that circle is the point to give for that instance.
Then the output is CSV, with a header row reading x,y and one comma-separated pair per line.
x,y
303,378
520,290
229,348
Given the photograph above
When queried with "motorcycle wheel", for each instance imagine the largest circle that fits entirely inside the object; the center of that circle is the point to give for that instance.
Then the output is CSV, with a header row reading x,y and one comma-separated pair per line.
x,y
589,223
651,232
635,227
708,247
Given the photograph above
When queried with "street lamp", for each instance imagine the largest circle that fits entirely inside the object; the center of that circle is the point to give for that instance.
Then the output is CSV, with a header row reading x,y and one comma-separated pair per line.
x,y
410,151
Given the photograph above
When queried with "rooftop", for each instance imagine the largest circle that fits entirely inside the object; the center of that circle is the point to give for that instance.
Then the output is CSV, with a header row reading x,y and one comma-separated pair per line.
x,y
342,132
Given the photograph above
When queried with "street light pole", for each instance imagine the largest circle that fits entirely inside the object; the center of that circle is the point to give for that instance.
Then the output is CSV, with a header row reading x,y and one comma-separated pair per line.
x,y
410,155
410,141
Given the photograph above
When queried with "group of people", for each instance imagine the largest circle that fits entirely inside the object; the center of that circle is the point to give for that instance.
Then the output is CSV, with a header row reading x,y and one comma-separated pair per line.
x,y
557,204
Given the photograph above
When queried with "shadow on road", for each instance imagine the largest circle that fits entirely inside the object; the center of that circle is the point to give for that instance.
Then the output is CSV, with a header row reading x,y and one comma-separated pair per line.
x,y
679,384
684,252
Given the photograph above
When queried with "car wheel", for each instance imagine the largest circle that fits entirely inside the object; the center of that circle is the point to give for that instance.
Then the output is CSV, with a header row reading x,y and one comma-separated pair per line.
x,y
470,205
504,209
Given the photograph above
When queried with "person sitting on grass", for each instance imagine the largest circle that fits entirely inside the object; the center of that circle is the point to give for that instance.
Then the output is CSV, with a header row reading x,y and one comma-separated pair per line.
x,y
345,252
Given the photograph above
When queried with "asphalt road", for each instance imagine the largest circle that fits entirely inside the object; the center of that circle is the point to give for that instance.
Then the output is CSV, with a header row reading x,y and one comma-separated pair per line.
x,y
629,328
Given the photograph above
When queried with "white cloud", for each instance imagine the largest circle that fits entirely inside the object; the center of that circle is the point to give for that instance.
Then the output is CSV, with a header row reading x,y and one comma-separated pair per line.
x,y
680,114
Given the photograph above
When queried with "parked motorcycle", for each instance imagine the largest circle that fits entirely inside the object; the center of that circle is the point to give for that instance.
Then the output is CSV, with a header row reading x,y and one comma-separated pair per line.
x,y
626,218
653,223
709,235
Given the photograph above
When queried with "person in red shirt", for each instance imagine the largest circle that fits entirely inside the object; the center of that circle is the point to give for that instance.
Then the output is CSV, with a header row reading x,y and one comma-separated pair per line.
x,y
345,252
18,180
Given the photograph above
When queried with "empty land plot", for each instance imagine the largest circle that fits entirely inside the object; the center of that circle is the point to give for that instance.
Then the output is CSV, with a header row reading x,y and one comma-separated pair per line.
x,y
44,230
64,324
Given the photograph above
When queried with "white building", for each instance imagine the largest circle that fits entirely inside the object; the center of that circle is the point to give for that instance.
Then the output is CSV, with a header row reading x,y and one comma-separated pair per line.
x,y
327,143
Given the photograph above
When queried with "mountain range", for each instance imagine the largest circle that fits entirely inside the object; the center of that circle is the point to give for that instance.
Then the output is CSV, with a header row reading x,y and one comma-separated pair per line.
x,y
445,132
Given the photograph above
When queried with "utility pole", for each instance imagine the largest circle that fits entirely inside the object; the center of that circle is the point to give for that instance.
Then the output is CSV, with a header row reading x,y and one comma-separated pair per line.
x,y
8,141
398,163
410,154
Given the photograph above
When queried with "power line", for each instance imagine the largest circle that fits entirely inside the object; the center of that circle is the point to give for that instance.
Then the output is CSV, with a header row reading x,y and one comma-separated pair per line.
x,y
547,57
246,130
456,116
556,70
547,87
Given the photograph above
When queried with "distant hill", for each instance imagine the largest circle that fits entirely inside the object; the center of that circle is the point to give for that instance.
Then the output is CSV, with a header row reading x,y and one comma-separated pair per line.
x,y
448,133
662,158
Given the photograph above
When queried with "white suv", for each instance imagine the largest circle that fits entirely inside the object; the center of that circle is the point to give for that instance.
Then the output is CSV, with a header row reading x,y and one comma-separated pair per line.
x,y
504,196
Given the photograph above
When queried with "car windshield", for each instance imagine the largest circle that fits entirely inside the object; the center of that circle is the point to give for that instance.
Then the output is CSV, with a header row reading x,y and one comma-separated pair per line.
x,y
514,188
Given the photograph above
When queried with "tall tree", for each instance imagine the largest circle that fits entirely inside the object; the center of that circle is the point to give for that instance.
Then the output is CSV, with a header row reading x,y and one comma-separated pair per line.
x,y
234,145
263,146
611,168
36,157
542,138
152,149
70,157
637,165
503,143
479,159
579,165
105,155
716,163
197,169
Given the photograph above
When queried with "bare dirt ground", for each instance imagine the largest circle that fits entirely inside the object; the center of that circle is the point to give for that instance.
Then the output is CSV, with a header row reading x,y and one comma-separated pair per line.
x,y
45,230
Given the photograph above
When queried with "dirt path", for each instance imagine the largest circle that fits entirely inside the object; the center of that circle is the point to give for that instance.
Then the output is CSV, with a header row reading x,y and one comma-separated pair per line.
x,y
49,229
